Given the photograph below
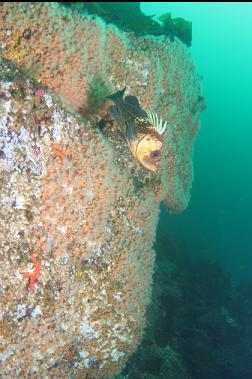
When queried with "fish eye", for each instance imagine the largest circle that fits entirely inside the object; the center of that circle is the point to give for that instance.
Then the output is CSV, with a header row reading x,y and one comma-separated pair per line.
x,y
155,154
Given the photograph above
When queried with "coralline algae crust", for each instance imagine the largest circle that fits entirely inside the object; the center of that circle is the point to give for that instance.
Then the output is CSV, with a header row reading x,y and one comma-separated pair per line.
x,y
63,198
73,201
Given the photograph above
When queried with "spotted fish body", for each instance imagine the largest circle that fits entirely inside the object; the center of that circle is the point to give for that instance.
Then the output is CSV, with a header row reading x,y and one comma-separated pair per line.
x,y
142,129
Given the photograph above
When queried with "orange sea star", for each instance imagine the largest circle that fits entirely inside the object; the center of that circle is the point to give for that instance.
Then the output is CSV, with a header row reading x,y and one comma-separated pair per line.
x,y
33,275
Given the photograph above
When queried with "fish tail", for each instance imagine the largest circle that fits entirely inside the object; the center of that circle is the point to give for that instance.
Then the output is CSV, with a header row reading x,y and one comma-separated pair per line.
x,y
117,96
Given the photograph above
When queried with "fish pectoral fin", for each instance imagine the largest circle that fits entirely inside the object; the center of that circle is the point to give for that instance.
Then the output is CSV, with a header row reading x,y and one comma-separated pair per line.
x,y
131,132
122,136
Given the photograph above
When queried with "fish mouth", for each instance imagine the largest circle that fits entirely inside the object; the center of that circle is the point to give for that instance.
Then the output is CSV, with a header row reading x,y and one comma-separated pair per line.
x,y
150,164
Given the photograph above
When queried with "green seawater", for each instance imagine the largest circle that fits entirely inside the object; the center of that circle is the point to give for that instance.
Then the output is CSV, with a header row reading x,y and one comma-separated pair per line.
x,y
218,221
199,325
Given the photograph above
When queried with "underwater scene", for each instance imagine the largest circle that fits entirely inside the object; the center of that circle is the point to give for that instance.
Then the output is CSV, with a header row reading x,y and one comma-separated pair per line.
x,y
125,190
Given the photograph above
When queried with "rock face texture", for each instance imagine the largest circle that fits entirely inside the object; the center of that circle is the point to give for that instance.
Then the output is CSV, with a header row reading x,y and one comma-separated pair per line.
x,y
78,213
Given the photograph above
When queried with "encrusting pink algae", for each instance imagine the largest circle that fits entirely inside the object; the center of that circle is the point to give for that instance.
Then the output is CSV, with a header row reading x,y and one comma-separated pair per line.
x,y
78,212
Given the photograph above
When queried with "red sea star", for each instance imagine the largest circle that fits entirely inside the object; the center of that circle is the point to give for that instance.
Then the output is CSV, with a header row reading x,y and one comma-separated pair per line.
x,y
33,275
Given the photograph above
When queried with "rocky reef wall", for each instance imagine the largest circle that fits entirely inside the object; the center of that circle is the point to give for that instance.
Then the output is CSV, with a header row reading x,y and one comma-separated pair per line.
x,y
78,212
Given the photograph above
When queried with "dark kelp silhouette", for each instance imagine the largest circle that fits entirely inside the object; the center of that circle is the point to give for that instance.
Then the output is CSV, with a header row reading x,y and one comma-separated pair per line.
x,y
130,18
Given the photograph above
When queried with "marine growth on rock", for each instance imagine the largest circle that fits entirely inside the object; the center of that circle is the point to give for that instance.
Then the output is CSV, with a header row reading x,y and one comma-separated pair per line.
x,y
78,214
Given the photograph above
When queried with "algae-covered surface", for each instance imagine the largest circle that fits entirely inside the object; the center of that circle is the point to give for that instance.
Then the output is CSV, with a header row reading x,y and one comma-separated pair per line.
x,y
78,211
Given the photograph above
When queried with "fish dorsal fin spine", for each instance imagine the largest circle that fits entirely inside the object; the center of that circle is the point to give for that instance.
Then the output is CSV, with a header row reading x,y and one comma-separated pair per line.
x,y
135,106
157,122
118,96
129,105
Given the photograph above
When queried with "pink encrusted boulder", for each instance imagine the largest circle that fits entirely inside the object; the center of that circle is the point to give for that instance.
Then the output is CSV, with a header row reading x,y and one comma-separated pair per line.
x,y
67,52
78,212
